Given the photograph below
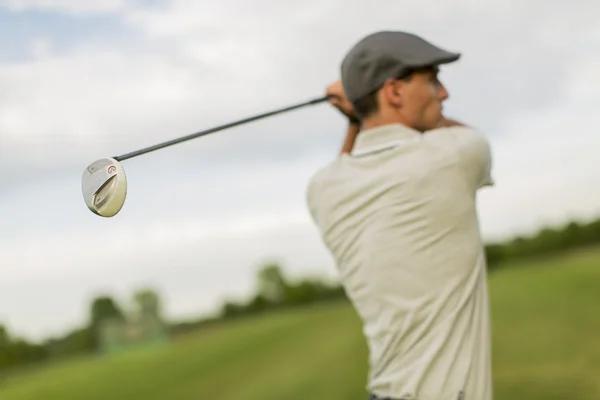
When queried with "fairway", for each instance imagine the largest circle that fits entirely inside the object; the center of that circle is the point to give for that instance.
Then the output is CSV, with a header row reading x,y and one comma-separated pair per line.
x,y
545,341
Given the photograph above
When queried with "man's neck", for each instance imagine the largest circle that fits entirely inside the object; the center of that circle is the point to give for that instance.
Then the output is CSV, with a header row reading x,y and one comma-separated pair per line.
x,y
376,122
379,120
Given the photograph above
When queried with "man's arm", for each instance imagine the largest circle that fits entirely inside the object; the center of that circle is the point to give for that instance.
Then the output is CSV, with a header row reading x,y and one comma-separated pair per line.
x,y
475,153
351,133
338,99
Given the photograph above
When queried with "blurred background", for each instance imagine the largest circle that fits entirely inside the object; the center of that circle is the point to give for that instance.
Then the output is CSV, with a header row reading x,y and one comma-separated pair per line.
x,y
213,270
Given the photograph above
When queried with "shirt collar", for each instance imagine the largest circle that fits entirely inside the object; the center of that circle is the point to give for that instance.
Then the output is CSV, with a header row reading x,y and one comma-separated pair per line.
x,y
382,137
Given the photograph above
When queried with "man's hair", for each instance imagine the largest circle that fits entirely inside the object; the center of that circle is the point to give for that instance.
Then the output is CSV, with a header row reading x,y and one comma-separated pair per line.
x,y
367,105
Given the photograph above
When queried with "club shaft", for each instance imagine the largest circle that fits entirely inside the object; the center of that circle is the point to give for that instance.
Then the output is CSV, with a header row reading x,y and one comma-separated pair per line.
x,y
218,128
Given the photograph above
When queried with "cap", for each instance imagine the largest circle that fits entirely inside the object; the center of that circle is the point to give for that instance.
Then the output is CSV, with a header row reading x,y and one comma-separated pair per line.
x,y
384,55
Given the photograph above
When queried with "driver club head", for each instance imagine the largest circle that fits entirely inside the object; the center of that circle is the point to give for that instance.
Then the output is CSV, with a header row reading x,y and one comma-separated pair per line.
x,y
104,187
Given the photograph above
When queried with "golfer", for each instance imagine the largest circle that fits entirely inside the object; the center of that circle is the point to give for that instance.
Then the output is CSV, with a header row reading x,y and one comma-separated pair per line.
x,y
397,211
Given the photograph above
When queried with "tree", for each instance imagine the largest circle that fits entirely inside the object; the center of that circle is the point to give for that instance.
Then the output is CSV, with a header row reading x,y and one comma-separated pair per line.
x,y
272,284
4,337
232,309
148,303
4,347
304,292
102,310
258,303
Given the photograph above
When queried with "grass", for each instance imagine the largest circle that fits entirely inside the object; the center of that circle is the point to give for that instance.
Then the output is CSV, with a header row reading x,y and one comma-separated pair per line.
x,y
546,328
545,342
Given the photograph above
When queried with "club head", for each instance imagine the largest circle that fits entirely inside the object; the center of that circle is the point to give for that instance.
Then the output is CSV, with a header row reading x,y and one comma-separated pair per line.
x,y
104,187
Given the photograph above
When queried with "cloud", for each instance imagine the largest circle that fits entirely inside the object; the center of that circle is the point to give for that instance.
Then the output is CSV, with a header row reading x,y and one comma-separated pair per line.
x,y
583,81
66,6
546,172
202,64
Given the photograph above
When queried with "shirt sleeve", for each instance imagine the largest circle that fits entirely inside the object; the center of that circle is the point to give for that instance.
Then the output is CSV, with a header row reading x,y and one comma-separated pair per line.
x,y
312,192
475,156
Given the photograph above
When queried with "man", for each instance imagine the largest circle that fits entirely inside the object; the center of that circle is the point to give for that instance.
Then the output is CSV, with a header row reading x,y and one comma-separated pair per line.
x,y
397,210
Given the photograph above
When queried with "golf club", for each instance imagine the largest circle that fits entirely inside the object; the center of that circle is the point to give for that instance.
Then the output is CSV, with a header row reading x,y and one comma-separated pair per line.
x,y
104,183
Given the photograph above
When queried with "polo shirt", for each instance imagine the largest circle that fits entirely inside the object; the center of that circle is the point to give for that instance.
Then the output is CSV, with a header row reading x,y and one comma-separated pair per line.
x,y
399,216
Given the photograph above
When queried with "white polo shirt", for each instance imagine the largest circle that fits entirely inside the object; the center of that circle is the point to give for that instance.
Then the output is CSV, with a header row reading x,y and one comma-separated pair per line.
x,y
399,217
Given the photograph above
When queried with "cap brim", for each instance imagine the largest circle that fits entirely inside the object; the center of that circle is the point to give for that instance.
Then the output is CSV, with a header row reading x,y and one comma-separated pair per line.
x,y
447,58
436,58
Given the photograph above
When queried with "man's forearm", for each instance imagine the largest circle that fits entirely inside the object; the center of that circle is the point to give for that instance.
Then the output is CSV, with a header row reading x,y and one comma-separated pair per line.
x,y
351,133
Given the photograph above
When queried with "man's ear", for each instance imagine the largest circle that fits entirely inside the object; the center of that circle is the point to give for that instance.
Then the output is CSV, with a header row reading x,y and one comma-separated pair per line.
x,y
392,92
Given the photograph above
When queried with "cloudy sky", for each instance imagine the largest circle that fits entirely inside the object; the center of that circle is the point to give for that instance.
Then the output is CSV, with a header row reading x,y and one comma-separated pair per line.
x,y
85,80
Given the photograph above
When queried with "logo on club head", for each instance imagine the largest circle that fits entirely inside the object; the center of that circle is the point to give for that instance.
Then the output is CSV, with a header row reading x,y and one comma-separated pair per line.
x,y
112,169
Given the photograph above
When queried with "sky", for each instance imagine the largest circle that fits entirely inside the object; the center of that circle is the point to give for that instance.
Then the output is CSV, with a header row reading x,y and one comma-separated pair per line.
x,y
81,81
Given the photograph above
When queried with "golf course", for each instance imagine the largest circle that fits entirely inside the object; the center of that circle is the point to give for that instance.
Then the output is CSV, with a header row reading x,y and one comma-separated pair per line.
x,y
546,345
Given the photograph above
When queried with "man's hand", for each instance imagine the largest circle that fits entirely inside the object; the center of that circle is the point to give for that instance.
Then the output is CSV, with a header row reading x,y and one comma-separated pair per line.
x,y
339,100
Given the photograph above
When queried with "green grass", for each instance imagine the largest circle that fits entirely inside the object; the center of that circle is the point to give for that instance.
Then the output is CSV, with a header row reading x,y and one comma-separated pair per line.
x,y
546,343
546,328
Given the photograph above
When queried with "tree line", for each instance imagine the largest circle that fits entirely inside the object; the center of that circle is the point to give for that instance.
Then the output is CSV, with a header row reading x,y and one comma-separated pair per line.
x,y
273,291
19,352
545,242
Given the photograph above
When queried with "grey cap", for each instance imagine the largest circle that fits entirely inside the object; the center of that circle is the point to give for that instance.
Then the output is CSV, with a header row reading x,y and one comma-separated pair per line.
x,y
384,55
